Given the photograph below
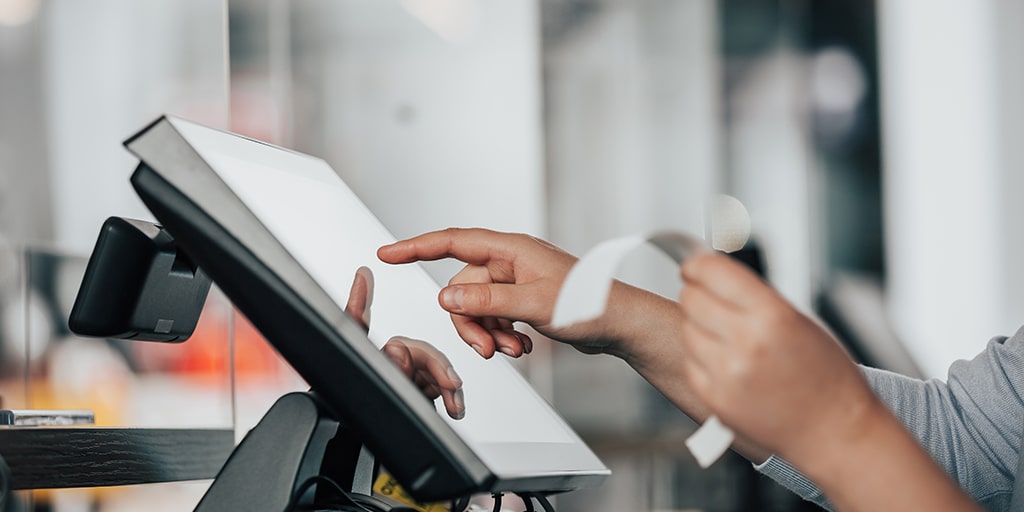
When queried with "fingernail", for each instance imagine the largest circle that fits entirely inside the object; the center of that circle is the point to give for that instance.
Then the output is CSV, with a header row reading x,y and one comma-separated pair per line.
x,y
453,297
460,405
454,377
479,350
526,341
508,352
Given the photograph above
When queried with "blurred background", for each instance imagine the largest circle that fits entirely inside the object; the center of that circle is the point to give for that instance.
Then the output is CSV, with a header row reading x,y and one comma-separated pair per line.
x,y
875,147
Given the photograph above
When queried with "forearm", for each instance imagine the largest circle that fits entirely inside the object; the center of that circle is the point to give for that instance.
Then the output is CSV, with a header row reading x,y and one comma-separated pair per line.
x,y
866,472
878,465
971,426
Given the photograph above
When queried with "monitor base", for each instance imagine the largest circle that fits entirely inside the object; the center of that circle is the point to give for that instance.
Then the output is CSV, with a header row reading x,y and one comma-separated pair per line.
x,y
287,461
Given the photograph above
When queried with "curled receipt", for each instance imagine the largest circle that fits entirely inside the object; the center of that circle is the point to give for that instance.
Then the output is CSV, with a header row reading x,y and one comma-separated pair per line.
x,y
584,296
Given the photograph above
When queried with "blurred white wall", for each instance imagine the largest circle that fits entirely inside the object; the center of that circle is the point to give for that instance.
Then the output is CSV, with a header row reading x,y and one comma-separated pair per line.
x,y
772,171
633,119
429,110
1009,46
952,114
111,67
25,214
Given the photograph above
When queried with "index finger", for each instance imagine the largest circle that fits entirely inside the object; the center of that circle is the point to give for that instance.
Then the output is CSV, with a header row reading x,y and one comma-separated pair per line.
x,y
726,279
473,245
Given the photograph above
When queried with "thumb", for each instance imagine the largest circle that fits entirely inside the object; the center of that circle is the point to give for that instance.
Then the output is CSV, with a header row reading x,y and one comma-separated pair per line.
x,y
516,302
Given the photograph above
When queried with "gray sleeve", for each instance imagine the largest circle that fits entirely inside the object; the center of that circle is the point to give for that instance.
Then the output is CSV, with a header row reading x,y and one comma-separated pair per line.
x,y
971,424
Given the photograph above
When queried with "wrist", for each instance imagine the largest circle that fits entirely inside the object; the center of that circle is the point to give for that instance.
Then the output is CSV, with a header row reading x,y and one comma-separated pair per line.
x,y
641,327
858,471
825,448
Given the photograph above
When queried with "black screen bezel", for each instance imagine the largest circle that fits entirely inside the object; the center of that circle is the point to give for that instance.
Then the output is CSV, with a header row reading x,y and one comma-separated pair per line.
x,y
357,393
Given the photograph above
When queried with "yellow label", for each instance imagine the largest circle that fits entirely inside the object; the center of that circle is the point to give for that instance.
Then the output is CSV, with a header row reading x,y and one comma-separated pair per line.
x,y
386,485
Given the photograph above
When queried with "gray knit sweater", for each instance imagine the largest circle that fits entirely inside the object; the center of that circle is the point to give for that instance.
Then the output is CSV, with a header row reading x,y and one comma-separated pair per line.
x,y
971,424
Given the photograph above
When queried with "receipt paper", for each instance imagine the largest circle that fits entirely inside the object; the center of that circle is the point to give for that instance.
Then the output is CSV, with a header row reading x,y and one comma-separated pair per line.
x,y
584,296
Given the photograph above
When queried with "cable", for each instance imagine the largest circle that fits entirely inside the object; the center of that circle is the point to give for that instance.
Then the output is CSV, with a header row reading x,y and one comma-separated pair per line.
x,y
497,501
544,503
543,500
294,501
460,504
528,500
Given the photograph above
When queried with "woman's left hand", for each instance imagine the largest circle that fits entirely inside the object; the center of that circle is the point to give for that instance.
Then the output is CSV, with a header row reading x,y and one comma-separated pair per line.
x,y
424,364
769,371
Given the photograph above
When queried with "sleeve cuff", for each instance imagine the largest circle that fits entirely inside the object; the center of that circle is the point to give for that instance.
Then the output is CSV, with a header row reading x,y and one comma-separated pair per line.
x,y
784,473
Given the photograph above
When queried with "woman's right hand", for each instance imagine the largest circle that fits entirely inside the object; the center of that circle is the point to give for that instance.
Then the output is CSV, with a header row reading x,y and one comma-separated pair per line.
x,y
513,278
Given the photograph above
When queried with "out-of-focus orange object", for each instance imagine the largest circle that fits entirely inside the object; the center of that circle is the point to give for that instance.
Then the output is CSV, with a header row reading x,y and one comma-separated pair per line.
x,y
255,358
207,352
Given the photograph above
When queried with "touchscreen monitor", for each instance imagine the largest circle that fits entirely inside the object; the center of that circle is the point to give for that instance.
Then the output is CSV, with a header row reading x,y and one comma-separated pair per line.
x,y
283,236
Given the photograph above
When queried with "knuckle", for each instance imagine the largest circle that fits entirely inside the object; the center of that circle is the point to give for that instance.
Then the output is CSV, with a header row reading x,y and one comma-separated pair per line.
x,y
450,234
699,386
765,322
469,274
699,262
687,299
479,298
689,267
717,263
780,319
458,278
738,368
689,339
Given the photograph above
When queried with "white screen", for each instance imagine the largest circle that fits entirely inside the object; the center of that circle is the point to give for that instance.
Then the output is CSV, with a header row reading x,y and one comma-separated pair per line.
x,y
329,231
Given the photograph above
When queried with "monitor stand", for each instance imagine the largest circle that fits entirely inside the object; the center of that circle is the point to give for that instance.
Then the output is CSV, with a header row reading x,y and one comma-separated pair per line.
x,y
298,447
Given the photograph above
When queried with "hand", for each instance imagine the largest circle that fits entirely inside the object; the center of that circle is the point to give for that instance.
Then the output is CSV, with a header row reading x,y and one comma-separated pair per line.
x,y
426,366
430,370
516,278
783,382
767,370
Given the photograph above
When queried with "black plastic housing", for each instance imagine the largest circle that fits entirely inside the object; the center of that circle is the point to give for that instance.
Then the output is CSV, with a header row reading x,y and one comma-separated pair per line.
x,y
428,467
138,286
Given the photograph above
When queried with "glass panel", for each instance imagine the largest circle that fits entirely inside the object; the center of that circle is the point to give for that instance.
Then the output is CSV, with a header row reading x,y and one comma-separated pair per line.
x,y
97,83
77,79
